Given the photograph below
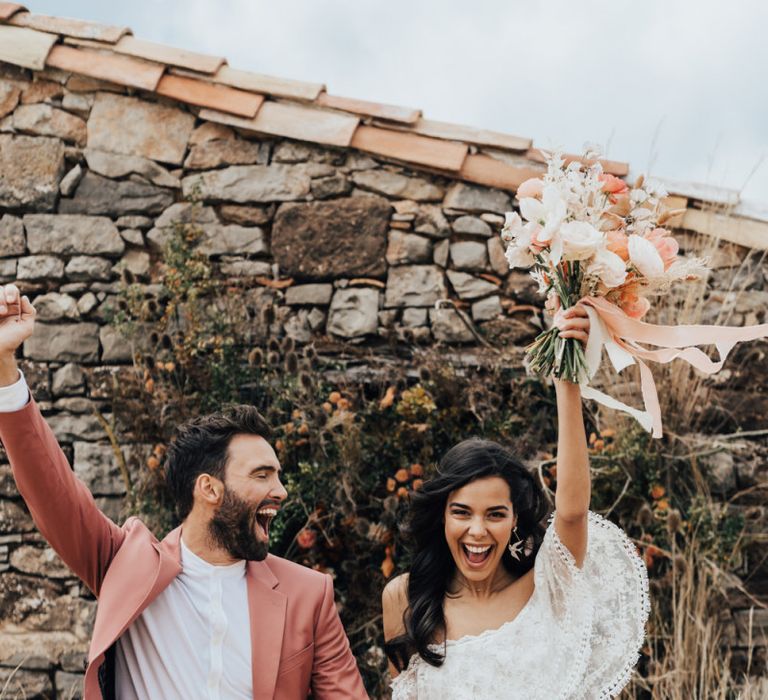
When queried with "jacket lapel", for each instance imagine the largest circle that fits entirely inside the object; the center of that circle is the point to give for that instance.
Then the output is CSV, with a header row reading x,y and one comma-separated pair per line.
x,y
266,608
131,578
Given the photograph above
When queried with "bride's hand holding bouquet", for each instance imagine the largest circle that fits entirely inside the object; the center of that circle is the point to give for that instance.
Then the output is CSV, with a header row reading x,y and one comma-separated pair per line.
x,y
588,238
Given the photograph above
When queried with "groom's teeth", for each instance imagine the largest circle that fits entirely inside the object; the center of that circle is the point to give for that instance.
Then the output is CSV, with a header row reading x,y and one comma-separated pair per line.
x,y
272,512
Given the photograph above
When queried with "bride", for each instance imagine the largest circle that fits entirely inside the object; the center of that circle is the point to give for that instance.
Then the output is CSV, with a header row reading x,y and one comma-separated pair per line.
x,y
495,605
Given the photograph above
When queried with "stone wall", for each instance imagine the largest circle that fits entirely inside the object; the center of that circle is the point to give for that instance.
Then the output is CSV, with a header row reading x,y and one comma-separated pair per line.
x,y
90,180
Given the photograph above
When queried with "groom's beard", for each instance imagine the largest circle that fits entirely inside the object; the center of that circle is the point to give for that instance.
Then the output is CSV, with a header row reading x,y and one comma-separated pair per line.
x,y
233,528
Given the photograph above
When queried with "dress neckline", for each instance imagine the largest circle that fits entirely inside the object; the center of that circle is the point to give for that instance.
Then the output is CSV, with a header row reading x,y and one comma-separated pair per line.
x,y
489,632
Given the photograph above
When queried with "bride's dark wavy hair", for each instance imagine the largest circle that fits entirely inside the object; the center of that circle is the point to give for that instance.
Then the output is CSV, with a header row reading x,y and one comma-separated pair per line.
x,y
433,566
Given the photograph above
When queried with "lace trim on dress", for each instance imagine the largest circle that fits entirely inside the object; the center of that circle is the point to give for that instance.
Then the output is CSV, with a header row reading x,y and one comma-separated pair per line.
x,y
642,607
582,632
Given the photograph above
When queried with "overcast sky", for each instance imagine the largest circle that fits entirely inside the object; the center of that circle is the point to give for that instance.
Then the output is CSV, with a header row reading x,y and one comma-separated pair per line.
x,y
676,87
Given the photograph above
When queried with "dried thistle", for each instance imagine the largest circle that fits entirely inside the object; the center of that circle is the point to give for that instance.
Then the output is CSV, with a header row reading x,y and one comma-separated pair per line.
x,y
154,338
680,564
289,345
256,357
292,363
645,516
273,359
267,315
273,346
305,380
166,342
673,521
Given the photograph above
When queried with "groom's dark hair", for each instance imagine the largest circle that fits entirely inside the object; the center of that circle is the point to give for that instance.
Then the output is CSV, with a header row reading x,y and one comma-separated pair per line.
x,y
200,445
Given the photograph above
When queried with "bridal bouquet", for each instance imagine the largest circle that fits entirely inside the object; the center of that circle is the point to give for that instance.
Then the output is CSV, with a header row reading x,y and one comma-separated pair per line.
x,y
589,237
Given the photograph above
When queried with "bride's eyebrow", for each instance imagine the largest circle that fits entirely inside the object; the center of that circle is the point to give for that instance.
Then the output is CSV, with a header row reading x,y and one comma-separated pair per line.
x,y
461,505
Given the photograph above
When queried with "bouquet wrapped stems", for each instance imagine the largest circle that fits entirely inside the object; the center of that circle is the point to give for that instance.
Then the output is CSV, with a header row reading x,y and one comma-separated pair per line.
x,y
550,354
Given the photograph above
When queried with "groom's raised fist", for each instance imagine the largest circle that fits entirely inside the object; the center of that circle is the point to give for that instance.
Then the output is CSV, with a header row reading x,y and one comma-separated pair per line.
x,y
17,319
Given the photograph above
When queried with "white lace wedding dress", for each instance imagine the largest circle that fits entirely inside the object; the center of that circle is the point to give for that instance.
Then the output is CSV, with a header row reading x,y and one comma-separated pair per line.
x,y
577,638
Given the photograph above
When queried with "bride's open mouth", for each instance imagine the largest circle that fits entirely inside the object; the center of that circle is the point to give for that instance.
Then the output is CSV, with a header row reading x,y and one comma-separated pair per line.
x,y
263,519
476,555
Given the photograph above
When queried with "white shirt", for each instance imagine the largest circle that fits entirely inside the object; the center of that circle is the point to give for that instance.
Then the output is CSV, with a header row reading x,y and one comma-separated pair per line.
x,y
14,397
192,641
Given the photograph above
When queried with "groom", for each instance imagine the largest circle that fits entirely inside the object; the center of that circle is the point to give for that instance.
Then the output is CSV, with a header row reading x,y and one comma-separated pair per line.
x,y
206,613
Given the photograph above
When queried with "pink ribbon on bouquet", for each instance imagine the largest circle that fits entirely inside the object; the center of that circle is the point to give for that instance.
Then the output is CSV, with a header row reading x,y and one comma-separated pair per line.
x,y
612,329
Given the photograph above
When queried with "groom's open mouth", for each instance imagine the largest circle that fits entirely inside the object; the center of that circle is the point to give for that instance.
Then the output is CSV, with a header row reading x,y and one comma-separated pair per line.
x,y
263,519
476,555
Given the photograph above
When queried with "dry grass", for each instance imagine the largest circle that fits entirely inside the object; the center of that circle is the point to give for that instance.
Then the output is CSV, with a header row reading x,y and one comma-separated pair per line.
x,y
688,640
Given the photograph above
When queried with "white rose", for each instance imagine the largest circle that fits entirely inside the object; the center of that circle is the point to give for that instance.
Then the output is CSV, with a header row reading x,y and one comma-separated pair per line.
x,y
608,267
645,257
519,256
580,240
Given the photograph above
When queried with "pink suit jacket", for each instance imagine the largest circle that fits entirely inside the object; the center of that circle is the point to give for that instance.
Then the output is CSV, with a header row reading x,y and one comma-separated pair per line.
x,y
298,643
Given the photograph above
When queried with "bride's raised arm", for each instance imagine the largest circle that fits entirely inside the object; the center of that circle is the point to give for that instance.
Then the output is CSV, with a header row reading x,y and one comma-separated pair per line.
x,y
573,479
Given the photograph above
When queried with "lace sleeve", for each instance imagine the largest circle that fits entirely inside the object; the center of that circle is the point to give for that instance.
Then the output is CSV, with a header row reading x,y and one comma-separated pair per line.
x,y
607,597
404,686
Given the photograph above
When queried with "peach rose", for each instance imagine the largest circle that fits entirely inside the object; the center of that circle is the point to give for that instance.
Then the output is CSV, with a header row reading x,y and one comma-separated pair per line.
x,y
533,187
613,184
666,246
617,243
634,305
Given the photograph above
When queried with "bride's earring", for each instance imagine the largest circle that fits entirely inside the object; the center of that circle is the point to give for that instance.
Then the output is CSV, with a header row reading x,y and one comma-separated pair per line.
x,y
516,547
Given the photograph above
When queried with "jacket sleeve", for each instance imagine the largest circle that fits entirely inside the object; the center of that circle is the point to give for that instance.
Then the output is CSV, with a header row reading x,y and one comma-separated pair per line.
x,y
334,670
60,504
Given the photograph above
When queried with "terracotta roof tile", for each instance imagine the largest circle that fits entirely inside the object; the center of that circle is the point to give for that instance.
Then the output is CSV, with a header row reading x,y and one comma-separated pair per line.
x,y
267,84
88,43
610,166
8,9
122,70
25,47
411,148
485,170
469,134
82,83
160,53
406,115
295,122
69,27
205,94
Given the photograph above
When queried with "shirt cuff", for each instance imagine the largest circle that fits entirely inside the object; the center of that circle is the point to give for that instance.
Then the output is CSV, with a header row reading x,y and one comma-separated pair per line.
x,y
14,397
